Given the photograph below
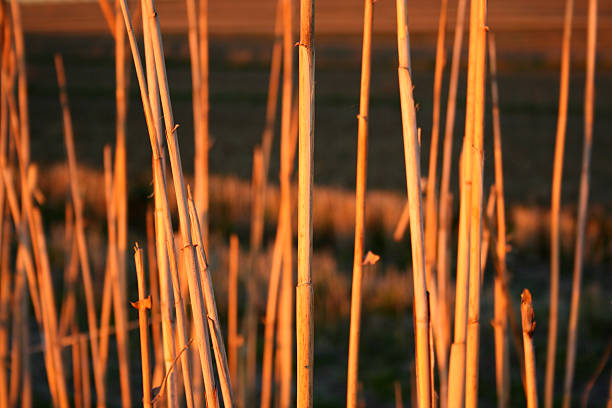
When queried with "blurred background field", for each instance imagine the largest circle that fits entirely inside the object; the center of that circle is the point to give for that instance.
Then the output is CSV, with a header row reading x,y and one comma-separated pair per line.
x,y
528,35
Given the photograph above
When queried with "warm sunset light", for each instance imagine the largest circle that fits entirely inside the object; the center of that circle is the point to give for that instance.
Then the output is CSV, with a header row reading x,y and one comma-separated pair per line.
x,y
300,203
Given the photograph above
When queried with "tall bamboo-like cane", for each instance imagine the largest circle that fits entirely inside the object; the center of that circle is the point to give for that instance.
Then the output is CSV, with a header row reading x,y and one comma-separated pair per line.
x,y
360,191
304,294
82,246
589,103
555,207
189,253
500,322
528,323
445,208
413,180
143,303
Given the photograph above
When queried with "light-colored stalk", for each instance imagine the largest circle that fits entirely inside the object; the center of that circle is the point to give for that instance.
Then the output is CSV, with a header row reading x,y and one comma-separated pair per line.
x,y
502,363
285,314
445,201
81,242
273,86
360,207
22,82
5,296
85,371
166,298
431,213
589,108
202,139
555,206
413,182
304,293
232,312
528,324
474,130
113,258
154,292
211,309
188,255
144,303
270,316
76,373
120,169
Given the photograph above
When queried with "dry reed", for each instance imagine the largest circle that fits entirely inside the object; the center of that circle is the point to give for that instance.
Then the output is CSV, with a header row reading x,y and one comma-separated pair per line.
x,y
528,324
589,101
500,320
555,207
143,303
413,180
360,208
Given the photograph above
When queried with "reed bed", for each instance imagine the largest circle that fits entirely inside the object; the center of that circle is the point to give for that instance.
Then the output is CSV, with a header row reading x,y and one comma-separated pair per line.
x,y
86,356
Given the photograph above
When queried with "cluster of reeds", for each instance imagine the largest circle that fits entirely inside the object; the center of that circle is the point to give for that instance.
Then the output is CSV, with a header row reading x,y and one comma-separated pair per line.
x,y
183,352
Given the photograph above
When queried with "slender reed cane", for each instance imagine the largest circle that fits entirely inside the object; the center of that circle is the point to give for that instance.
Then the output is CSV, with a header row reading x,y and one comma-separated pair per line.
x,y
202,139
163,265
502,363
360,192
528,324
273,86
113,258
431,214
474,130
143,303
286,305
80,236
304,293
232,312
413,180
589,107
211,308
591,383
270,316
445,207
555,206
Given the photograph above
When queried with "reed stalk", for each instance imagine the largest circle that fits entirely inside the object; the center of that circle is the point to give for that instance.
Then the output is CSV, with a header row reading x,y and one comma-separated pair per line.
x,y
143,303
80,236
76,374
211,308
528,324
156,336
273,86
120,168
232,312
431,216
413,181
271,312
445,215
360,207
474,130
22,82
113,258
188,255
5,296
584,401
397,387
163,265
85,371
589,103
555,206
202,139
304,292
500,319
